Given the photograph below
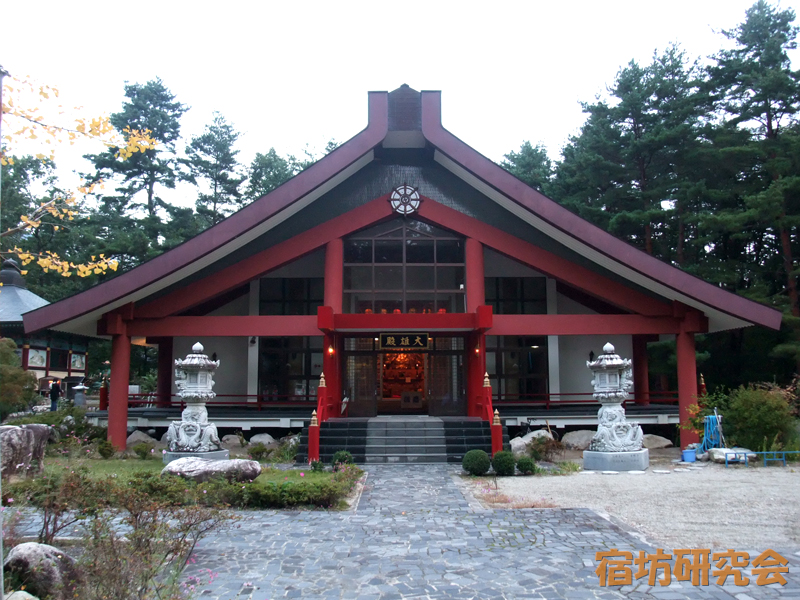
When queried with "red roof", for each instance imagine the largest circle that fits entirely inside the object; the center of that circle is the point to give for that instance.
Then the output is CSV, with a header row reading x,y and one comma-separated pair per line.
x,y
404,127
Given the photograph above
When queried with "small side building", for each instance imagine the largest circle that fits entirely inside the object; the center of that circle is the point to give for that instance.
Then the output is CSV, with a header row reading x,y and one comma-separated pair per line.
x,y
49,354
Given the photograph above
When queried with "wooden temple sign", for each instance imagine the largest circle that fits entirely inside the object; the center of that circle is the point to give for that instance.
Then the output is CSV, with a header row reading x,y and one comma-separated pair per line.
x,y
404,341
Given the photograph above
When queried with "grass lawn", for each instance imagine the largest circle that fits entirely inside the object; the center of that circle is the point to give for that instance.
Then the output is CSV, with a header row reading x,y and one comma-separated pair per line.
x,y
123,469
100,468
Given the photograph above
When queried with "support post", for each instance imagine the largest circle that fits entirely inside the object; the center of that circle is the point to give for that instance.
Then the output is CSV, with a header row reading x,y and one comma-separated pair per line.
x,y
687,383
641,373
330,366
497,434
165,367
118,401
313,438
334,274
475,293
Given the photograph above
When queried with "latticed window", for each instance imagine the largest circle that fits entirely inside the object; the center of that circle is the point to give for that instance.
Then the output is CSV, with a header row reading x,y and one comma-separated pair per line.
x,y
404,266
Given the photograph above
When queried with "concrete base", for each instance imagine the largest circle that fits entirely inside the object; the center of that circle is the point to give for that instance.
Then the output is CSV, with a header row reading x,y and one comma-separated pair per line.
x,y
616,461
213,455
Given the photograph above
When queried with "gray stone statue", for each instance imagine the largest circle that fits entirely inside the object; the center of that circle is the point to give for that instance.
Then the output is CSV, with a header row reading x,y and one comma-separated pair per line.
x,y
194,378
617,445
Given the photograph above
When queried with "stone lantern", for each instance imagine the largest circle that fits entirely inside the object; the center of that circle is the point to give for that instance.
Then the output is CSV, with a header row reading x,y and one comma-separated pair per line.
x,y
193,435
617,445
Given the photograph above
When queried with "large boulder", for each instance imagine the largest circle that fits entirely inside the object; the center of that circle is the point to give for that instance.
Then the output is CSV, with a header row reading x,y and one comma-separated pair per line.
x,y
18,447
231,442
578,440
138,437
203,469
520,445
42,434
263,438
718,454
43,570
20,595
654,442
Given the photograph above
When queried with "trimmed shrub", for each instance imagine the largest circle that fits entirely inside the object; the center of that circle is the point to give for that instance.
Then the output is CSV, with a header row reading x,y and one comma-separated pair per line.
x,y
526,466
757,416
504,463
317,466
143,450
476,462
106,449
341,457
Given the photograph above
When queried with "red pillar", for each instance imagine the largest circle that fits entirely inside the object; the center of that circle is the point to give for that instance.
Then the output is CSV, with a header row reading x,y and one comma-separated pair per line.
x,y
165,366
334,273
476,295
641,375
118,401
687,382
330,366
476,367
334,285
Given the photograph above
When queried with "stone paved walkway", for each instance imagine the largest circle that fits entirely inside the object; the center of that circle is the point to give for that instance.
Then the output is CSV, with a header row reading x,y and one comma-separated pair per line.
x,y
414,534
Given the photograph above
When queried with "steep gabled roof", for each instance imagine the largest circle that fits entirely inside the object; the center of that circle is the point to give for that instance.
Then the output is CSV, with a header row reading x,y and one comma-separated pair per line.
x,y
403,118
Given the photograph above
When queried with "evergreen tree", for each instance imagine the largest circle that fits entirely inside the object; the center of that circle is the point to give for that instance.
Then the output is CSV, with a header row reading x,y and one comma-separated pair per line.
x,y
531,164
212,162
125,226
758,95
627,171
267,171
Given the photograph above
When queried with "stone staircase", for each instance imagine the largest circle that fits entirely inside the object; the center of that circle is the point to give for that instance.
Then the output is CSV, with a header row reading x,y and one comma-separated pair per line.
x,y
401,439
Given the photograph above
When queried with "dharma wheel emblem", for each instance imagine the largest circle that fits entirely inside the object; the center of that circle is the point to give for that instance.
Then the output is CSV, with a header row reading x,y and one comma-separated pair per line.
x,y
405,199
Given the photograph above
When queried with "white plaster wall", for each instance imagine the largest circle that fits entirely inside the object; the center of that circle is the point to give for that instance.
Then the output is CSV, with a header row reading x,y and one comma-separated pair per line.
x,y
574,351
231,376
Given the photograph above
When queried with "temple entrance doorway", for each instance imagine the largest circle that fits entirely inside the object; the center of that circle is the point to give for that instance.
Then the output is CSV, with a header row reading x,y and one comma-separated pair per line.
x,y
378,381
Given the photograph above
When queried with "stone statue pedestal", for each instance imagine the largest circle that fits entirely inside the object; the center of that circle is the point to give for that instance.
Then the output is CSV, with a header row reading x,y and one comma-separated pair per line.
x,y
637,460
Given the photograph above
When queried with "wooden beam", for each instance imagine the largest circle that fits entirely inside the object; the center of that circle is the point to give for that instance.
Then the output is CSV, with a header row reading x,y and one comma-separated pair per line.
x,y
406,322
546,262
271,326
583,325
266,260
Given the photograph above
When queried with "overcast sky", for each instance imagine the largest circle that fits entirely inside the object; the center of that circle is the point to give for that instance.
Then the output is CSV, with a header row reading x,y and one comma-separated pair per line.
x,y
287,74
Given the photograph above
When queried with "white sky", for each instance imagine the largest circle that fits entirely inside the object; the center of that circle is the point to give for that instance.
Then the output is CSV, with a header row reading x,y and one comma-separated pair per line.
x,y
287,74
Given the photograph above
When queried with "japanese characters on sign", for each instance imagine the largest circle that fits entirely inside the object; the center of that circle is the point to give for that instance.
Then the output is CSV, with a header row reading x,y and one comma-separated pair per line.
x,y
404,341
619,567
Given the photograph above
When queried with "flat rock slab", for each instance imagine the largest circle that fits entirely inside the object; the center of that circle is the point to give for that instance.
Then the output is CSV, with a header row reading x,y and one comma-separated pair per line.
x,y
170,456
202,469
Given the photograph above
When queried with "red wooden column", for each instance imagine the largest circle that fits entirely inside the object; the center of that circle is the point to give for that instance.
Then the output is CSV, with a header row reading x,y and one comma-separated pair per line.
x,y
334,274
641,375
476,294
118,394
687,382
334,286
165,366
476,342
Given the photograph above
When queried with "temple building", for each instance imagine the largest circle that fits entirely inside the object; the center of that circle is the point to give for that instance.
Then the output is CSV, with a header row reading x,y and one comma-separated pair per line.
x,y
405,266
48,354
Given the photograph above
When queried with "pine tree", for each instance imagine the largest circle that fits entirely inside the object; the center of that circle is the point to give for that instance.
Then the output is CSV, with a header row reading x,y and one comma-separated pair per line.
x,y
211,158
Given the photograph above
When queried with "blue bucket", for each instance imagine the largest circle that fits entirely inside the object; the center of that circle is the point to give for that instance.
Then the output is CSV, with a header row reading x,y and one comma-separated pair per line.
x,y
689,455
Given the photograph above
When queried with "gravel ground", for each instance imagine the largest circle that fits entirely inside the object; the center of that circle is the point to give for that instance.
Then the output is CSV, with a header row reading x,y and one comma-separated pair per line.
x,y
745,508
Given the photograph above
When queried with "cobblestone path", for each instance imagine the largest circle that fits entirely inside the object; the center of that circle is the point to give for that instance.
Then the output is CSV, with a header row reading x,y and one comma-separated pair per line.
x,y
414,534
